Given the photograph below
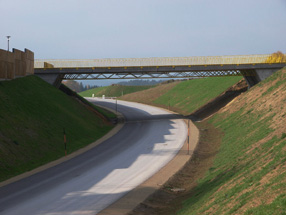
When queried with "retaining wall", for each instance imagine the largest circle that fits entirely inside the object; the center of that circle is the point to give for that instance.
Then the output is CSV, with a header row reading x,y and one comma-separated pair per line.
x,y
16,63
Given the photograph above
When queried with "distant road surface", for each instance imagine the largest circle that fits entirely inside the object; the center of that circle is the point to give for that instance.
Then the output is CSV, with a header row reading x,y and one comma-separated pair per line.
x,y
92,181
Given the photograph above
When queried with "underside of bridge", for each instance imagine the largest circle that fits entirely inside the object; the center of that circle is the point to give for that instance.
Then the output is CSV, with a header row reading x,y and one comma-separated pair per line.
x,y
253,73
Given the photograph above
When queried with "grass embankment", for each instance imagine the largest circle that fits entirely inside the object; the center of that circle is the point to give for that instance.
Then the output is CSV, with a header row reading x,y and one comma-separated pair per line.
x,y
186,96
249,172
33,115
113,91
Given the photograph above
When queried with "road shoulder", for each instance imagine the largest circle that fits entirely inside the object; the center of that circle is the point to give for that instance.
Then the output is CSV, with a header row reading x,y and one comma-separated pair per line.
x,y
127,203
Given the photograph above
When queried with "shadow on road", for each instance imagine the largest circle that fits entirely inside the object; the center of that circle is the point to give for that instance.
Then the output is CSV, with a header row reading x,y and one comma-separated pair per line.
x,y
57,182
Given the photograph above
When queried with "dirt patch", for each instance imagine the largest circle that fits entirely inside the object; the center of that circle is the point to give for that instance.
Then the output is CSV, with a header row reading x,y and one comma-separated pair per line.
x,y
181,186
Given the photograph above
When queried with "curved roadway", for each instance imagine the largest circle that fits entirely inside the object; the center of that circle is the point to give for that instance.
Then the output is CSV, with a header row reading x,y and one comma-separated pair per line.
x,y
150,138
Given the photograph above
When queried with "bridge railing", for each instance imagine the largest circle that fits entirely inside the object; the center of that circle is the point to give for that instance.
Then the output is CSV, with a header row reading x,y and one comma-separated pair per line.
x,y
165,61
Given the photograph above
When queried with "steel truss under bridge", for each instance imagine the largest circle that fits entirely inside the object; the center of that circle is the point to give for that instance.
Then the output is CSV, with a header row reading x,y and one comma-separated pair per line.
x,y
145,75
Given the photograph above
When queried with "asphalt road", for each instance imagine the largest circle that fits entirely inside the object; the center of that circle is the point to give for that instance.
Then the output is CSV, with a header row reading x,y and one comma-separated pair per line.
x,y
90,182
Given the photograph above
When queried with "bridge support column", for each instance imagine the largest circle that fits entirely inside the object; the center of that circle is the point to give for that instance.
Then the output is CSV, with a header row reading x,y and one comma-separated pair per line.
x,y
254,76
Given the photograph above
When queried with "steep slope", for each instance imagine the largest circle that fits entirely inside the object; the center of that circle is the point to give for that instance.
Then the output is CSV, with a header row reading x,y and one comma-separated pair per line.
x,y
150,95
113,91
33,115
249,172
239,166
185,96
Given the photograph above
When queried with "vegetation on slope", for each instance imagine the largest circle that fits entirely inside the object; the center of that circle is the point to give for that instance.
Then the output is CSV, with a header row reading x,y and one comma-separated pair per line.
x,y
150,95
249,172
140,82
113,91
186,96
190,95
77,86
246,172
33,115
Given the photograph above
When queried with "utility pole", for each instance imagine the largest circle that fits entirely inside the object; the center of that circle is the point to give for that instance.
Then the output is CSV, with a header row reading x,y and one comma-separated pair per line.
x,y
8,38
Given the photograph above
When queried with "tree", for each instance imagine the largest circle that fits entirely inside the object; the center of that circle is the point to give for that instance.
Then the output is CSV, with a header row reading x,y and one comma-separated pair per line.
x,y
277,57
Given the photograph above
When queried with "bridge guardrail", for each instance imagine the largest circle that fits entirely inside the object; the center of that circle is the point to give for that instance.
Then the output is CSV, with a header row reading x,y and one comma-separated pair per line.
x,y
165,61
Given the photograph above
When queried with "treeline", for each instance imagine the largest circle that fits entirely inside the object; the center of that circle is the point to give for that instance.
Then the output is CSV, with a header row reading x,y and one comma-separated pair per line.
x,y
139,82
78,87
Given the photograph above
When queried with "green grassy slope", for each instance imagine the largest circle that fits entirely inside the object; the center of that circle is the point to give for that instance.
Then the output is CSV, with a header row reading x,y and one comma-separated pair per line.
x,y
33,115
96,91
185,96
190,95
113,91
249,172
248,175
148,96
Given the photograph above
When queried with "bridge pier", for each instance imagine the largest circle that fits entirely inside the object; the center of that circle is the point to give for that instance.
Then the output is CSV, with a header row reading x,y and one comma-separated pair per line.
x,y
254,76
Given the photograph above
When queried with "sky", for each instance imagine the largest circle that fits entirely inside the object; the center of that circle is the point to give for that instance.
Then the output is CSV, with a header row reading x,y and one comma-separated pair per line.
x,y
88,29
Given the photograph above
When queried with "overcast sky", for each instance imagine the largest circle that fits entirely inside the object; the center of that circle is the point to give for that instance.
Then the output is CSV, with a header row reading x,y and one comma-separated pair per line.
x,y
86,29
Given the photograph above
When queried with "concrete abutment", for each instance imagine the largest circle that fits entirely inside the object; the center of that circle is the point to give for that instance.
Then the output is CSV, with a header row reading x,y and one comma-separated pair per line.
x,y
53,79
254,76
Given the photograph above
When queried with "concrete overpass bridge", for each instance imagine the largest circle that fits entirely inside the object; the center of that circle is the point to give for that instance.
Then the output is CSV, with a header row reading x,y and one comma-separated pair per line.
x,y
254,68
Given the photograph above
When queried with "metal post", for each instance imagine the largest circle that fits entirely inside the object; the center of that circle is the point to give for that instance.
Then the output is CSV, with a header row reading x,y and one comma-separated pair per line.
x,y
116,106
8,37
65,142
188,136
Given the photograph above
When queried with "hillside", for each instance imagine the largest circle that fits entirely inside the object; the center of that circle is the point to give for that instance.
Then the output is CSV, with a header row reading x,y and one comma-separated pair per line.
x,y
113,91
140,82
248,175
33,115
239,166
185,96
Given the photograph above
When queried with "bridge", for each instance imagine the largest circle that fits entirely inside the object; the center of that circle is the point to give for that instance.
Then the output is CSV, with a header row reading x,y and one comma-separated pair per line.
x,y
254,68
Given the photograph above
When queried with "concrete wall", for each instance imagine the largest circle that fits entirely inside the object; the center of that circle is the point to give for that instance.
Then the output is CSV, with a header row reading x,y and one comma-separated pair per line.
x,y
264,73
16,64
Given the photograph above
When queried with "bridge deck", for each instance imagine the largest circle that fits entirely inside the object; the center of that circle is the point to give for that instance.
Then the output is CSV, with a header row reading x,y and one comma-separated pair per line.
x,y
165,61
